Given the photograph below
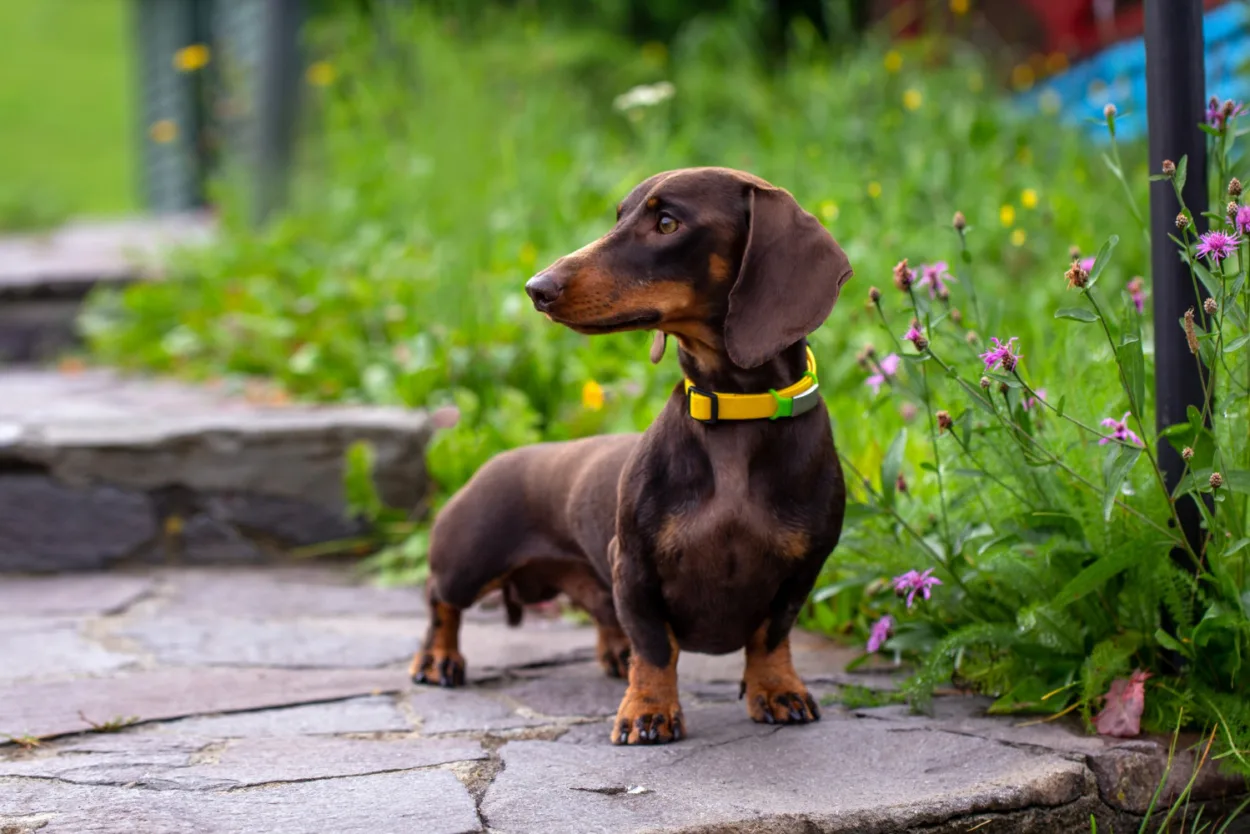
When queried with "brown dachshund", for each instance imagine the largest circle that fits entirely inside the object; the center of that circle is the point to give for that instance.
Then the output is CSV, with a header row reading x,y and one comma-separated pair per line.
x,y
706,532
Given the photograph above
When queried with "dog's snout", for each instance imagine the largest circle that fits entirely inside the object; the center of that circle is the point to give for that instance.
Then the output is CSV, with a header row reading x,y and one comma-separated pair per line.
x,y
543,290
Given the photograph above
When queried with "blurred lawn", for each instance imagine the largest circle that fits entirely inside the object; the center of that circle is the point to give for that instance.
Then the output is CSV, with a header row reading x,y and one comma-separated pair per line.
x,y
66,106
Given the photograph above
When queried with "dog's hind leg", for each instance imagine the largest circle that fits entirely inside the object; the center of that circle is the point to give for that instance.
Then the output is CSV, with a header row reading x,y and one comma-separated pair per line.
x,y
439,660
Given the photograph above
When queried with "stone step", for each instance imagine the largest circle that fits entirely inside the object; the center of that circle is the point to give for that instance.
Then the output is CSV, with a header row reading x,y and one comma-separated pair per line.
x,y
98,469
45,277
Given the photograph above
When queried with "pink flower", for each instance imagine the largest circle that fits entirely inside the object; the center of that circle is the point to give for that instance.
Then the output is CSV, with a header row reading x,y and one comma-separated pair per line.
x,y
1087,264
1215,246
913,582
1137,294
1219,115
1002,352
1031,401
1121,714
934,276
1120,431
1242,221
917,338
887,368
881,631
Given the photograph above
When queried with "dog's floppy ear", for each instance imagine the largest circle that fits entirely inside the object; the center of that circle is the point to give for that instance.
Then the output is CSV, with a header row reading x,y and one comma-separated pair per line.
x,y
792,270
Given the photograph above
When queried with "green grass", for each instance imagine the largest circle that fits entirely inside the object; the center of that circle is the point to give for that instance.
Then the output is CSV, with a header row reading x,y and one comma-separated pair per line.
x,y
68,141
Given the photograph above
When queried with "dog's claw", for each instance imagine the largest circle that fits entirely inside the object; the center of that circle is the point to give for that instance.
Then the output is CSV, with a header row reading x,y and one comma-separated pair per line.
x,y
436,668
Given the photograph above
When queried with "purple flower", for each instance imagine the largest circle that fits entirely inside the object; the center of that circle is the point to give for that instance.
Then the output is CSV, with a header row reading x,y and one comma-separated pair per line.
x,y
1219,115
1242,221
934,276
917,338
1137,294
1087,264
1004,353
1031,401
887,368
1120,431
914,582
1215,246
881,630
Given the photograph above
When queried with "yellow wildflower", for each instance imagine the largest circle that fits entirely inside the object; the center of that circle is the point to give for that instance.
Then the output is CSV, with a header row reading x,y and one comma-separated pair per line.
x,y
191,58
1028,198
1007,215
874,190
592,395
912,99
528,254
893,61
164,131
321,74
829,210
1018,237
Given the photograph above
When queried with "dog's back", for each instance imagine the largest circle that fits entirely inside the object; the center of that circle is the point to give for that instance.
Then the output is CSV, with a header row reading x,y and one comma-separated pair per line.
x,y
525,515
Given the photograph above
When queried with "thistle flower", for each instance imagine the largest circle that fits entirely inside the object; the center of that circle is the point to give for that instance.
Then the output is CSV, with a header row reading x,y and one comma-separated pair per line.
x,y
1219,115
874,295
1215,245
1217,480
959,222
1191,337
903,277
1120,431
1169,168
1135,292
888,367
1241,221
934,276
881,631
913,582
917,338
1210,306
1077,277
1003,353
944,421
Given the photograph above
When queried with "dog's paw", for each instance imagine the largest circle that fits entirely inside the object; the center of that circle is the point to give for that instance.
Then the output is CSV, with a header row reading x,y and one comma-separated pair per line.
x,y
780,702
646,719
439,667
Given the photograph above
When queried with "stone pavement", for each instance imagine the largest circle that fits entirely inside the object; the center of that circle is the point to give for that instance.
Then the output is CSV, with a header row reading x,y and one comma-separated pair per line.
x,y
275,699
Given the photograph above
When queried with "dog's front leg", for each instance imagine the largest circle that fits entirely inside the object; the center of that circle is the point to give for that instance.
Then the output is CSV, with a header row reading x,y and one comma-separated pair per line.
x,y
650,712
774,692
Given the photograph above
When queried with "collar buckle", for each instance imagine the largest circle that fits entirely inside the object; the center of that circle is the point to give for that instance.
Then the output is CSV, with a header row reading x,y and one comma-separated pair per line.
x,y
714,405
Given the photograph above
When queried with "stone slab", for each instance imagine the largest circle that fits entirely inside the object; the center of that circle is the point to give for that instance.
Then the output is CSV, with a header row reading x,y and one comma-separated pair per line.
x,y
838,775
84,594
52,648
288,591
98,426
377,714
52,708
184,763
80,254
44,523
432,802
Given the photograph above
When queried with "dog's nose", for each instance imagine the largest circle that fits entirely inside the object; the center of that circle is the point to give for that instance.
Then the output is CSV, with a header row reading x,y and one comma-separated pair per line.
x,y
543,291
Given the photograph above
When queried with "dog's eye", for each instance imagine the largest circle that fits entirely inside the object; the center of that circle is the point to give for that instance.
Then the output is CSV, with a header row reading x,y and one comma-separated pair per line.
x,y
667,225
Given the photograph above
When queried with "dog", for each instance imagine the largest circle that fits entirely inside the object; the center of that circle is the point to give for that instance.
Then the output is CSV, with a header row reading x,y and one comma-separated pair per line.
x,y
706,532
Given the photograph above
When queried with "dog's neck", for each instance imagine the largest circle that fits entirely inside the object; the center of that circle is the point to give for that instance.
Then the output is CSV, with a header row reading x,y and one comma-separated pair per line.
x,y
723,377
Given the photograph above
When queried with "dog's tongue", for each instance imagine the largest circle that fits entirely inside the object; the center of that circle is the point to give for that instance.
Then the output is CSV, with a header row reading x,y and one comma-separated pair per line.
x,y
657,346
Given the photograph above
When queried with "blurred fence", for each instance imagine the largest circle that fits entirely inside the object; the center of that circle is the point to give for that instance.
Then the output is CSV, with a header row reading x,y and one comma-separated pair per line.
x,y
219,79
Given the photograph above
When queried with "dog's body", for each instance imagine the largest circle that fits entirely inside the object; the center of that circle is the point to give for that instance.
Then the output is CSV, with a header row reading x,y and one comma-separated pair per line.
x,y
695,535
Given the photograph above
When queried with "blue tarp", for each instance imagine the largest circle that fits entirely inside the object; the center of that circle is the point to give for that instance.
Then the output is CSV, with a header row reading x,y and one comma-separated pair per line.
x,y
1117,75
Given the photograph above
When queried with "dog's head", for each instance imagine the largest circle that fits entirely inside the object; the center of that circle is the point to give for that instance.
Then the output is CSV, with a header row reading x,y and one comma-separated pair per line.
x,y
719,258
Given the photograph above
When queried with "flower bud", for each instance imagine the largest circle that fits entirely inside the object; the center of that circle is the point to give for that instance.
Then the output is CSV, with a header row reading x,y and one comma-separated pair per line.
x,y
1187,453
1231,211
1077,277
1217,480
874,294
1234,188
956,316
903,276
1074,252
971,338
985,382
1182,222
900,484
1210,306
1191,337
960,222
1169,168
944,420
1109,111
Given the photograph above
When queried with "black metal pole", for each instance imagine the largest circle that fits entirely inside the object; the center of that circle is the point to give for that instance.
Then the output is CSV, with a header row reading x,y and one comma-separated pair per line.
x,y
1175,96
278,97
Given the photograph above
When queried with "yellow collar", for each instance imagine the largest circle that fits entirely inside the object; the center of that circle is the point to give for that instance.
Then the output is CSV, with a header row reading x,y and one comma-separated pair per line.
x,y
791,401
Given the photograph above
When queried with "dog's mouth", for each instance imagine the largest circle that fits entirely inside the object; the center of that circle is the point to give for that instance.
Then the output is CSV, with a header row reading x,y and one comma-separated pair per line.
x,y
613,324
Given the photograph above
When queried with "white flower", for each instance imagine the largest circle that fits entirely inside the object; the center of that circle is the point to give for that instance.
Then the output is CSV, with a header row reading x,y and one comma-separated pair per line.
x,y
644,95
